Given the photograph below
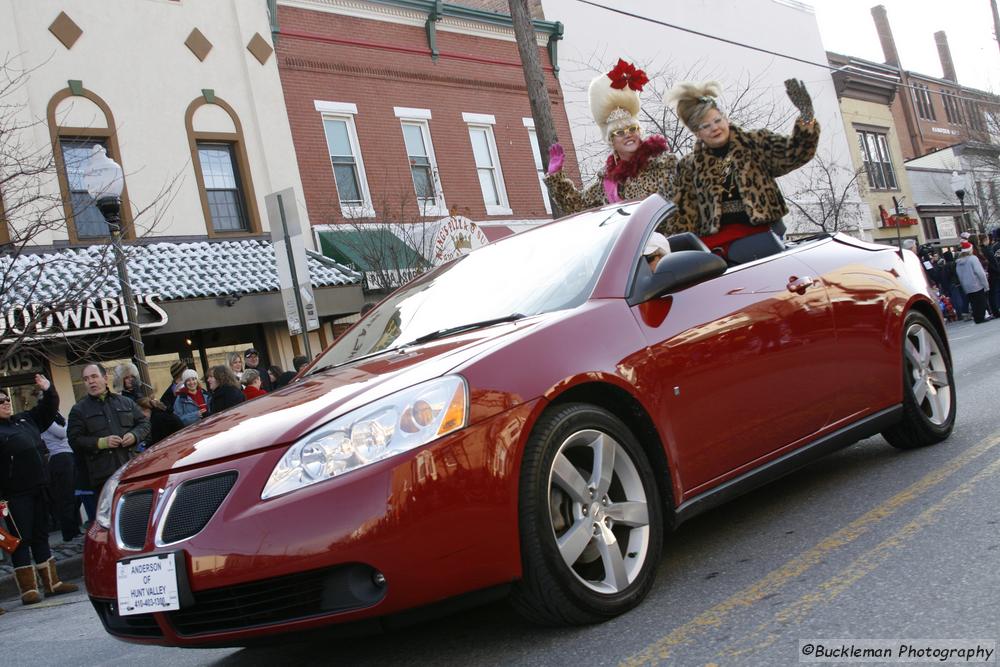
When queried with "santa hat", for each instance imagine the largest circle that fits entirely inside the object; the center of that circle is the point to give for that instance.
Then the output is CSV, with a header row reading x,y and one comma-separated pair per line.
x,y
690,101
965,247
614,98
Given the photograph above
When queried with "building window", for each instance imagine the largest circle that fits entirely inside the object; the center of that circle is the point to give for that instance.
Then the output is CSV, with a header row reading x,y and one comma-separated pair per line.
x,y
484,150
878,163
89,222
930,228
420,155
975,118
78,120
221,168
529,123
922,98
227,212
345,158
951,108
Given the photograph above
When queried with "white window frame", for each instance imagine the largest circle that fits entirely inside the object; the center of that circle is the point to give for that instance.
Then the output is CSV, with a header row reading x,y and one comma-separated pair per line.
x,y
346,111
481,121
419,118
536,153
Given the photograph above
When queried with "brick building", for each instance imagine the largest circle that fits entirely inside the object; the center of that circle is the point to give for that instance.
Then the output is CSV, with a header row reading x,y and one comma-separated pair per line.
x,y
935,113
409,113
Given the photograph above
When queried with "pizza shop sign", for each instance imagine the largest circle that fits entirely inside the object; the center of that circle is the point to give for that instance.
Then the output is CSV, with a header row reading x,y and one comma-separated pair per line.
x,y
92,316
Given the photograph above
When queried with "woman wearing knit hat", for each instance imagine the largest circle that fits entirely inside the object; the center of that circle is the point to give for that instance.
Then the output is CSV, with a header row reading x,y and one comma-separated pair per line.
x,y
636,168
726,186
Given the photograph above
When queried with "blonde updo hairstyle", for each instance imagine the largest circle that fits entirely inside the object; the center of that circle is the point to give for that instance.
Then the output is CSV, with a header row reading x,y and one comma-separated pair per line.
x,y
691,101
612,109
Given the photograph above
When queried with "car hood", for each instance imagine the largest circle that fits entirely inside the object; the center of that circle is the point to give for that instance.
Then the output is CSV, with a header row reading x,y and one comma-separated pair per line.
x,y
283,416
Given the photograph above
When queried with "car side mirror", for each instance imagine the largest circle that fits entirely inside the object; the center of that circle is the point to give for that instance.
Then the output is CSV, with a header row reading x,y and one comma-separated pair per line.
x,y
678,270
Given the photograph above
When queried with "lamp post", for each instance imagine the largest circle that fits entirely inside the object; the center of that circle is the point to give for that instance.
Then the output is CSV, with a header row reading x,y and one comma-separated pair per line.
x,y
897,204
104,181
958,187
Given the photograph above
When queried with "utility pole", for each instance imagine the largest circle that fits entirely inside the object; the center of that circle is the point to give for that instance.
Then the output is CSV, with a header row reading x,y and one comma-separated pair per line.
x,y
534,79
996,21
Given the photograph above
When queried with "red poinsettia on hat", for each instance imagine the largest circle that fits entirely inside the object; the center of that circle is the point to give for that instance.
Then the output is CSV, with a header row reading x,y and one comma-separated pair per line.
x,y
626,74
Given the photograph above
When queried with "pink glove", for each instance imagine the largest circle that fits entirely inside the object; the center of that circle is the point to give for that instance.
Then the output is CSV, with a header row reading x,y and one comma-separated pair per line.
x,y
556,157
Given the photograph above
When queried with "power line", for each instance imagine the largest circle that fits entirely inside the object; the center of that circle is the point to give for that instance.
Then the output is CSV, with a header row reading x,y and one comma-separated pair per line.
x,y
826,66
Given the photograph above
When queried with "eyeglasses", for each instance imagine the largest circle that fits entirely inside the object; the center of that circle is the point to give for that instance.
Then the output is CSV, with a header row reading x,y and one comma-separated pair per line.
x,y
631,129
4,399
709,125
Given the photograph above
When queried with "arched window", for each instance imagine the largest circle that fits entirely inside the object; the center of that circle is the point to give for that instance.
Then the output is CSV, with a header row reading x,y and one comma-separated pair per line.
x,y
221,168
78,119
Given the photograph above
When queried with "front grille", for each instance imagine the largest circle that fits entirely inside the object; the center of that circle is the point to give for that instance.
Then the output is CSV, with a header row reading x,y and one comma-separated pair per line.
x,y
133,518
279,600
194,504
140,625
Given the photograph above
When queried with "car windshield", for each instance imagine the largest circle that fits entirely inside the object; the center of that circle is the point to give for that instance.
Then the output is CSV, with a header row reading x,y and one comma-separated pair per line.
x,y
550,268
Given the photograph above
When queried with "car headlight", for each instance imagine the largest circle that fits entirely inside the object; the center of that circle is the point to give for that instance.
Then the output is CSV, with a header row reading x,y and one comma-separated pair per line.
x,y
104,501
389,426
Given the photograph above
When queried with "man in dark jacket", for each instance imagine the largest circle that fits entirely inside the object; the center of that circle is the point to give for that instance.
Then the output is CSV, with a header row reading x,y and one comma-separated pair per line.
x,y
253,360
104,427
22,484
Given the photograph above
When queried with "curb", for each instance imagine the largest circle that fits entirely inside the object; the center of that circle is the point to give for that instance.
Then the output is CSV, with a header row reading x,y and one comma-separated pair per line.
x,y
69,569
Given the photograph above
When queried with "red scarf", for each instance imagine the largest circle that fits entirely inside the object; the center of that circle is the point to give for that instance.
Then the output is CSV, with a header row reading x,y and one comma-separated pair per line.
x,y
621,170
198,397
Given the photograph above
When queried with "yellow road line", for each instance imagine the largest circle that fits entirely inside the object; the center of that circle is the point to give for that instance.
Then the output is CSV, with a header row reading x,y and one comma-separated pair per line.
x,y
859,568
776,579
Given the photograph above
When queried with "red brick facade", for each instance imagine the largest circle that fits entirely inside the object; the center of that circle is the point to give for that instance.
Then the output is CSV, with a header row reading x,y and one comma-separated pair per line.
x,y
378,65
946,115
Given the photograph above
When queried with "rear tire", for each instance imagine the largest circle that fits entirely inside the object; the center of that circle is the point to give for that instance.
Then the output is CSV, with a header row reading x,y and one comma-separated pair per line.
x,y
928,387
590,519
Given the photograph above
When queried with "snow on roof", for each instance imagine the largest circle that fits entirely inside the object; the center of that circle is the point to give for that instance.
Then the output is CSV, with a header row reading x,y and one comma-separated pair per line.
x,y
172,270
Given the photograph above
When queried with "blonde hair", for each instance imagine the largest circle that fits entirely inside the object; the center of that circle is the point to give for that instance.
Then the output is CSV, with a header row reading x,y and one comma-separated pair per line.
x,y
691,101
612,108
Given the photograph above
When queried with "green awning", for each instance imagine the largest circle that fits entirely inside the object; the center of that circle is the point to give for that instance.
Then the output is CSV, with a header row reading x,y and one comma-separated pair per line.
x,y
375,249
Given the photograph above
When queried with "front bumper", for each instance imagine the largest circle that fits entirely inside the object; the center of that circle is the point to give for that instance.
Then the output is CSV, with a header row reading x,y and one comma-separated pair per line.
x,y
402,533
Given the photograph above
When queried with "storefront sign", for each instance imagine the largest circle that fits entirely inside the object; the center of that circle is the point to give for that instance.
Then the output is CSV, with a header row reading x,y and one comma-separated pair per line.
x,y
93,316
20,363
455,237
946,228
900,221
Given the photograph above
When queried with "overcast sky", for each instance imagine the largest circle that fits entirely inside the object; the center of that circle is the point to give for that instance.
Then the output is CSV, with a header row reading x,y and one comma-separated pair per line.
x,y
847,27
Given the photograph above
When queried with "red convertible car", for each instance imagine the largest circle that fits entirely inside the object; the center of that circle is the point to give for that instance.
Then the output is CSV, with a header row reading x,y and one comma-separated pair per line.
x,y
527,420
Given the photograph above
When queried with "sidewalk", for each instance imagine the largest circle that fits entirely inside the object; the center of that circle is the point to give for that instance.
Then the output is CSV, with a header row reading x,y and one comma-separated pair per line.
x,y
69,563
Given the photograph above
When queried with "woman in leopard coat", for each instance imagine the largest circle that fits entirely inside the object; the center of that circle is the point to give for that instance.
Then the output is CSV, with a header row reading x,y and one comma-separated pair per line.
x,y
726,186
636,168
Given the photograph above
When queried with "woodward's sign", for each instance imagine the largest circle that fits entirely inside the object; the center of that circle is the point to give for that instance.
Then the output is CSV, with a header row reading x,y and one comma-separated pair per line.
x,y
93,316
455,237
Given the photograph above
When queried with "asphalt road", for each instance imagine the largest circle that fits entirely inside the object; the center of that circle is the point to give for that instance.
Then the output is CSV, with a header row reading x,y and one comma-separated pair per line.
x,y
870,543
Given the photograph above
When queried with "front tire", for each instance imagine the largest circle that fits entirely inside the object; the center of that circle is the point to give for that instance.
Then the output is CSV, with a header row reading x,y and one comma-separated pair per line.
x,y
928,387
590,519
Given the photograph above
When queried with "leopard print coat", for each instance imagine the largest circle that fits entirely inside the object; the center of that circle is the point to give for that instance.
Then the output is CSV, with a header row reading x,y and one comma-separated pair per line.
x,y
759,157
658,176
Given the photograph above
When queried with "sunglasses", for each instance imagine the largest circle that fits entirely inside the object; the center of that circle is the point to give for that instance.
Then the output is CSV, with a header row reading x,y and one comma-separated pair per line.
x,y
4,399
631,129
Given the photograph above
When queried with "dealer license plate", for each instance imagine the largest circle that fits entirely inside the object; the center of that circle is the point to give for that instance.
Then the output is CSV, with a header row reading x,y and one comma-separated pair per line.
x,y
147,585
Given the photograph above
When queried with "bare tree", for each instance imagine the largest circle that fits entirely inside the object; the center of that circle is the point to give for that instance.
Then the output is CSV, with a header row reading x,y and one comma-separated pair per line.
x,y
826,199
36,305
393,246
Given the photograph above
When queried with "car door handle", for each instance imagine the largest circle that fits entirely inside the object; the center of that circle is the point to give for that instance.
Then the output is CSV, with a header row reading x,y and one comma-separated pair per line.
x,y
800,285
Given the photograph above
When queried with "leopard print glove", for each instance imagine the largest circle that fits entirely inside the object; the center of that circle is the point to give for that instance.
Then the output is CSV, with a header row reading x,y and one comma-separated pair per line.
x,y
799,96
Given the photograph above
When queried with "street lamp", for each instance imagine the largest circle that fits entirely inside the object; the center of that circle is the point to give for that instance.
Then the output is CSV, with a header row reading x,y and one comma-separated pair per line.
x,y
104,181
958,187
